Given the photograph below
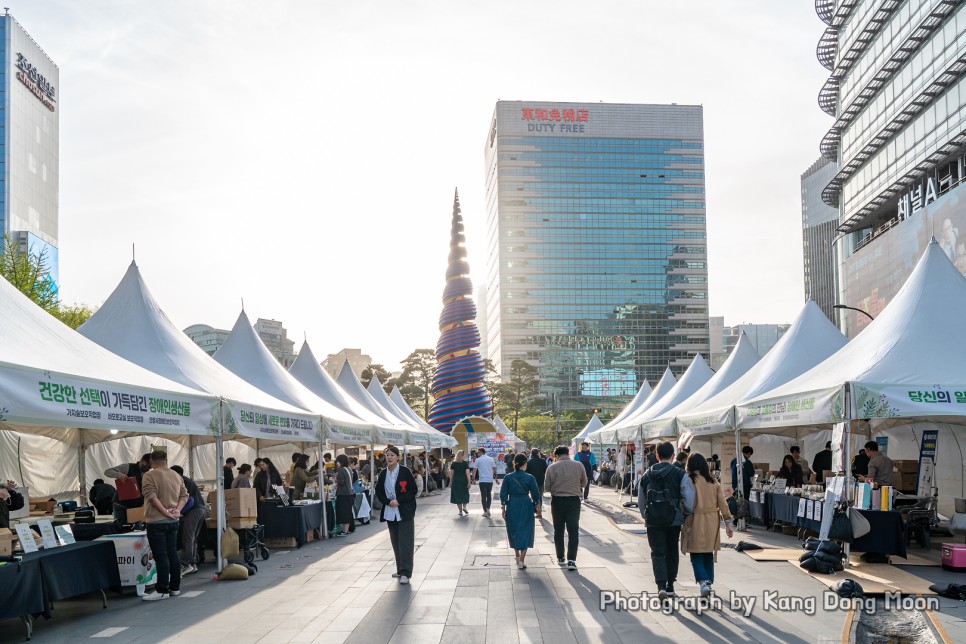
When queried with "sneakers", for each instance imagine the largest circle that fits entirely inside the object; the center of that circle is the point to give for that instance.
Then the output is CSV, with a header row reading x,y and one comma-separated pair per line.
x,y
403,580
670,589
662,592
571,565
705,587
175,593
188,569
155,596
561,563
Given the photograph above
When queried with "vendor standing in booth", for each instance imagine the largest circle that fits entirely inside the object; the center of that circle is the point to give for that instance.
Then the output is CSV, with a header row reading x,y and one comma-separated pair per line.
x,y
796,453
10,501
823,462
266,479
880,466
121,473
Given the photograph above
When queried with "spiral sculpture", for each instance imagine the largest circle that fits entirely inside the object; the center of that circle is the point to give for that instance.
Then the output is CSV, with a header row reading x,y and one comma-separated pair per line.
x,y
458,381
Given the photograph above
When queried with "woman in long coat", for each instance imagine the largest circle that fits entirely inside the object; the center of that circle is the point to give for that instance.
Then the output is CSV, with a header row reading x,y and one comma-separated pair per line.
x,y
520,497
701,532
459,491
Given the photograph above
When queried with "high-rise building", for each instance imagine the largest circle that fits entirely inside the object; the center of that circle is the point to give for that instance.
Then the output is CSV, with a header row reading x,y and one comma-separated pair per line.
x,y
29,176
820,224
272,333
716,335
897,90
596,245
358,361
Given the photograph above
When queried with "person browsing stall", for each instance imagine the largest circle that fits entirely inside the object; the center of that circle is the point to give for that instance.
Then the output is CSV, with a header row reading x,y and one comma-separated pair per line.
x,y
165,495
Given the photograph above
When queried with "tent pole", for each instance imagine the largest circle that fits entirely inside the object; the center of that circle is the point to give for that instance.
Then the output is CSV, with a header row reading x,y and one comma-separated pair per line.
x,y
82,467
739,470
426,461
323,489
220,482
372,479
847,462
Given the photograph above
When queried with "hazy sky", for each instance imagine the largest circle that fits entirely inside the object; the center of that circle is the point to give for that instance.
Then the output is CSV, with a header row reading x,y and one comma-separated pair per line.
x,y
302,155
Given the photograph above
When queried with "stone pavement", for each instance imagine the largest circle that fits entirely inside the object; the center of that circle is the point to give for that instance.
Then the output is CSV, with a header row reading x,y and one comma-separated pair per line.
x,y
464,589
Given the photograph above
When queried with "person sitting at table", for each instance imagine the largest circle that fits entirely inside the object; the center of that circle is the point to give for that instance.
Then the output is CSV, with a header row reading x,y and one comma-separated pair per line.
x,y
244,478
136,471
791,472
266,478
10,501
102,497
301,476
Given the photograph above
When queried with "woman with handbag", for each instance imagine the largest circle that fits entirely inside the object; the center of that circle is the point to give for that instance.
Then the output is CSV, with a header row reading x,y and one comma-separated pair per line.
x,y
701,532
520,498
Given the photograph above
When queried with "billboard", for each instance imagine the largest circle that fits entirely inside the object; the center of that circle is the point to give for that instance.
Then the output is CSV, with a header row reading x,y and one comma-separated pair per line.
x,y
608,382
876,272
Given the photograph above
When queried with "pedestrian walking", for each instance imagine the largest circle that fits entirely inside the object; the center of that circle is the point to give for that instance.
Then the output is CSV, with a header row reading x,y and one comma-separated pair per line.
x,y
520,498
565,482
586,458
344,496
164,496
396,490
663,492
485,468
459,492
701,533
537,468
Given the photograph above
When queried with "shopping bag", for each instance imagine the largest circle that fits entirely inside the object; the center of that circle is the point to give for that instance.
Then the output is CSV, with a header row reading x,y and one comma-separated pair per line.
x,y
860,525
229,544
364,510
127,490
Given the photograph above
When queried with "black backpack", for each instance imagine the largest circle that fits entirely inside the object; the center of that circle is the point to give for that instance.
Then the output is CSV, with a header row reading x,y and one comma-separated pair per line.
x,y
661,503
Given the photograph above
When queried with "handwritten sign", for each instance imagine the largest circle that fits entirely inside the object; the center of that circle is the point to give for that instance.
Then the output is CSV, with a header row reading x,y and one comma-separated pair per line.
x,y
801,507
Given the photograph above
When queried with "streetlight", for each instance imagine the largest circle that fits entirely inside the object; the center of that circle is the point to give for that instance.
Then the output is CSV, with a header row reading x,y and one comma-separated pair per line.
x,y
852,308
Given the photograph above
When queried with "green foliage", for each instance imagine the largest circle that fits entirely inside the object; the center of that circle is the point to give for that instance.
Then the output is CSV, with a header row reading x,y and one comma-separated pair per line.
x,y
416,381
516,395
380,372
541,431
30,274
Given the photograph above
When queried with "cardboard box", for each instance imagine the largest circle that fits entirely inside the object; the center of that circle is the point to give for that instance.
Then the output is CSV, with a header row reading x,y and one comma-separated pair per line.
x,y
905,481
280,542
6,541
906,466
135,515
239,503
242,523
43,505
310,536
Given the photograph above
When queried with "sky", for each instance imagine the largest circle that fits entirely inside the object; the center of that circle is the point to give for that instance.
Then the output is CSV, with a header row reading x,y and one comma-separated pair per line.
x,y
302,156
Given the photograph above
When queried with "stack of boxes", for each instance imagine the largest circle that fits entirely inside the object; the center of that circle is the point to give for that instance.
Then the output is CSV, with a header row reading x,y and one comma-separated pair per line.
x,y
241,507
905,476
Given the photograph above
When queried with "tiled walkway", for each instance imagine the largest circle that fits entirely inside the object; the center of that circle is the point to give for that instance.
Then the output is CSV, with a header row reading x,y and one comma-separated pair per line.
x,y
464,590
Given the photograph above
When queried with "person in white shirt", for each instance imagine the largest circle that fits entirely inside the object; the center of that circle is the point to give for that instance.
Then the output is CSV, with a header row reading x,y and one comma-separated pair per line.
x,y
485,468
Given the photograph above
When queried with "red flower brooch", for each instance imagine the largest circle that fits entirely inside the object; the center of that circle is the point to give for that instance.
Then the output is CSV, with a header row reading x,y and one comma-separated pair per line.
x,y
402,486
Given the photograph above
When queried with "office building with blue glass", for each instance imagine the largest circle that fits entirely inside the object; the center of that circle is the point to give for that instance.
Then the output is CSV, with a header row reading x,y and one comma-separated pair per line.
x,y
29,162
596,245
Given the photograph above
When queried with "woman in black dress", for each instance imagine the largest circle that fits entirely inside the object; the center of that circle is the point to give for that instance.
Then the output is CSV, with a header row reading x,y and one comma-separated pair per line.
x,y
459,491
344,496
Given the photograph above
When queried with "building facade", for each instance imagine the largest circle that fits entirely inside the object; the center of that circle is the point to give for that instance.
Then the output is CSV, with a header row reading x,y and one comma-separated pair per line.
x,y
596,245
820,224
29,176
273,335
358,361
897,91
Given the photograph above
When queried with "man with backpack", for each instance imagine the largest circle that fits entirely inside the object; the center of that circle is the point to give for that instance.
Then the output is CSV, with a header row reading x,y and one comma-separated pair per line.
x,y
665,496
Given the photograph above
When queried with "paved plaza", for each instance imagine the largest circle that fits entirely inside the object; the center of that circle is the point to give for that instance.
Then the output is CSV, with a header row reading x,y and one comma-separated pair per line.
x,y
465,590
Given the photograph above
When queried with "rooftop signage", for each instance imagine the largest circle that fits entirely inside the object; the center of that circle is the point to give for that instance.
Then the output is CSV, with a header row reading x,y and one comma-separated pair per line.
x,y
35,82
569,120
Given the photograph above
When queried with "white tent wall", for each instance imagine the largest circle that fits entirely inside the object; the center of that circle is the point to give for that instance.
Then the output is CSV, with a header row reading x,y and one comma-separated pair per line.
x,y
904,443
107,454
46,466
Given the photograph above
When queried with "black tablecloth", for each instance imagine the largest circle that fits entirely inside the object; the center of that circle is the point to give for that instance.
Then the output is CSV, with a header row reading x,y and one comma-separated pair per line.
x,y
59,573
759,511
22,590
292,521
887,534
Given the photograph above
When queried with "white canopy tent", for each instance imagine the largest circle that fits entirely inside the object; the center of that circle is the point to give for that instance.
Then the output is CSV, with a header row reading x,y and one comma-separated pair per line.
x,y
437,438
696,376
353,388
906,371
592,426
743,357
59,392
418,432
518,444
636,403
132,325
609,434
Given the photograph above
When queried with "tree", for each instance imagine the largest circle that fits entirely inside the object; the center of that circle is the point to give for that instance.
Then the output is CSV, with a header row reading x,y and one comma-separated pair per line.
x,y
416,381
29,273
380,371
516,394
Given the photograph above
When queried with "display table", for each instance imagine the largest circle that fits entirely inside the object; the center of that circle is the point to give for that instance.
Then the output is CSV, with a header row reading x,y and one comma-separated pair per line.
x,y
758,509
30,587
291,521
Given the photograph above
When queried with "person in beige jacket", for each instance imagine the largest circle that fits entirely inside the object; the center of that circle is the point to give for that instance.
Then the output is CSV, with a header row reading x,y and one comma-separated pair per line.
x,y
565,482
701,532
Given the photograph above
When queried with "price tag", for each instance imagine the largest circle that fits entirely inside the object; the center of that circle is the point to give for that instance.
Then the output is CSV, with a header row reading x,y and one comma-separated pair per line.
x,y
810,509
26,536
64,534
47,534
801,507
818,510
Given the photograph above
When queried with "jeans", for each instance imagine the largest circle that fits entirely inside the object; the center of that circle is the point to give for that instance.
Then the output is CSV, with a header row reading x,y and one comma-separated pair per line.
x,y
190,529
402,534
664,553
703,564
163,539
486,494
565,511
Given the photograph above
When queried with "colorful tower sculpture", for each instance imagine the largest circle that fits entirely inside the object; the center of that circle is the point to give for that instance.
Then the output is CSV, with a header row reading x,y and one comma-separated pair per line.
x,y
458,381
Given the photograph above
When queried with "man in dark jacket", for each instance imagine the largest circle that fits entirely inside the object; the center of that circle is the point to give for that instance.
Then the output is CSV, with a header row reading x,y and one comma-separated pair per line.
x,y
860,464
586,458
131,470
396,490
102,497
191,523
747,474
10,501
822,462
660,481
229,471
537,468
